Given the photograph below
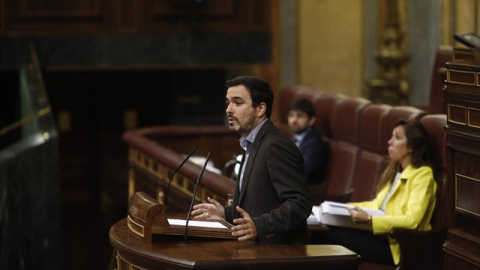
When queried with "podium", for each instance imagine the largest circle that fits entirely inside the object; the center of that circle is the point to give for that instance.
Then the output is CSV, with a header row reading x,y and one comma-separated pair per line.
x,y
145,239
147,217
166,252
462,101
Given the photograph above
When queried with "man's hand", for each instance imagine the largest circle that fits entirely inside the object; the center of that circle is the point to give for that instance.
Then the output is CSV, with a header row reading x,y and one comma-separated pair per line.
x,y
209,211
245,228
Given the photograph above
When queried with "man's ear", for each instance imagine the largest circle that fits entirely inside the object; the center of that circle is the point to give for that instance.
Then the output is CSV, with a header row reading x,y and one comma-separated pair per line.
x,y
261,109
312,120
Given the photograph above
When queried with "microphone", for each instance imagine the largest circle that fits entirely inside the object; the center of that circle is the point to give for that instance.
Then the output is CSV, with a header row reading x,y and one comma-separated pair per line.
x,y
185,240
176,170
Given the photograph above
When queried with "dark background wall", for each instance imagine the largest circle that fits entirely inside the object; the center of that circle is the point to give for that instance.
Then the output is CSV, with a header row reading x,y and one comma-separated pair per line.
x,y
111,65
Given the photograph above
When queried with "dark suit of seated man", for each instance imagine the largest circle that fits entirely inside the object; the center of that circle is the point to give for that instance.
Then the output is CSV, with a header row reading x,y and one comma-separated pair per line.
x,y
301,118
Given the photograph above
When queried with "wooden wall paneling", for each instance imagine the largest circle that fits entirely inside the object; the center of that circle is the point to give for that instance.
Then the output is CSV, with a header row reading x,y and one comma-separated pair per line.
x,y
110,16
53,16
260,17
128,15
213,15
462,99
2,16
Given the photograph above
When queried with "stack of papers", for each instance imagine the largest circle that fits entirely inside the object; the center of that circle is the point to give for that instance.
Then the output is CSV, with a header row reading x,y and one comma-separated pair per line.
x,y
337,214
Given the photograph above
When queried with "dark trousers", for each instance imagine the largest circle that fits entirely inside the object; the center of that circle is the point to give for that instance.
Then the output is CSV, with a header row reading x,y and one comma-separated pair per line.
x,y
372,248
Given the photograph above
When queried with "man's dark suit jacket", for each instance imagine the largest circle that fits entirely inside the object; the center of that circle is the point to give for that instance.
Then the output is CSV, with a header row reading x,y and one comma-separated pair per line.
x,y
274,190
314,152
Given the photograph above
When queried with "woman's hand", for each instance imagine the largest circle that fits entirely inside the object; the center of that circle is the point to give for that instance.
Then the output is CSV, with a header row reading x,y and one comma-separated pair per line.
x,y
209,211
359,216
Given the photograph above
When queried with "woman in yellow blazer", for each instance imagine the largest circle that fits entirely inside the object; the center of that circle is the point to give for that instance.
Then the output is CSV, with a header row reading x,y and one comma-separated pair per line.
x,y
406,194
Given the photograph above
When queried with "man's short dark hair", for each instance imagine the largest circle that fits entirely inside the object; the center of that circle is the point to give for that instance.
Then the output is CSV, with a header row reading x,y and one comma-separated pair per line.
x,y
259,91
303,105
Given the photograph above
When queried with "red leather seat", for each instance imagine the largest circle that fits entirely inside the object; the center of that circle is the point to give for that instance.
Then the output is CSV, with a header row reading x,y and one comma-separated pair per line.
x,y
344,148
443,55
373,154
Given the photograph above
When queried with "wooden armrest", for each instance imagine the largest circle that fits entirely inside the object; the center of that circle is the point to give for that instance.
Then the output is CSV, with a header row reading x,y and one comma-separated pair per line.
x,y
420,249
318,195
342,197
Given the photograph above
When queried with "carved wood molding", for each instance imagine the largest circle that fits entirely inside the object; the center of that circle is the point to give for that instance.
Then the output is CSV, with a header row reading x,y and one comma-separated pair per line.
x,y
161,173
159,16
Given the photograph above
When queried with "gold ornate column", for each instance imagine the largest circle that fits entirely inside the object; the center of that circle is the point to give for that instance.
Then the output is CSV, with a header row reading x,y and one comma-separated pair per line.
x,y
391,85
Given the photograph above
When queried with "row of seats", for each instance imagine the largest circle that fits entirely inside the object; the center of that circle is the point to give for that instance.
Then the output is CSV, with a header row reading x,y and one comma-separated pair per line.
x,y
357,132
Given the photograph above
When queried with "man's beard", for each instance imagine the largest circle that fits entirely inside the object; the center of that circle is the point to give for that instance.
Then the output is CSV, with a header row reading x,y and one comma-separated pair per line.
x,y
232,125
250,123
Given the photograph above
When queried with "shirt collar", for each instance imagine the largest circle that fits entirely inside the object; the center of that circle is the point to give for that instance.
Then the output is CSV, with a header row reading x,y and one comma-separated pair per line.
x,y
248,141
301,136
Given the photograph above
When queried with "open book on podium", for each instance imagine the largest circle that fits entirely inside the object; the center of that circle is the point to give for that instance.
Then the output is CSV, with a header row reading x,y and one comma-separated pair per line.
x,y
147,217
337,214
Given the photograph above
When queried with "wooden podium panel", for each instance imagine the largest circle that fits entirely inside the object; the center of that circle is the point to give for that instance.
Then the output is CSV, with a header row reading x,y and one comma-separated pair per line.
x,y
167,252
462,101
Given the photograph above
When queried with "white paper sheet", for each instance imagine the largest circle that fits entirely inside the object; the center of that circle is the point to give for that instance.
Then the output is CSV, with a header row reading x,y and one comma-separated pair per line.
x,y
196,223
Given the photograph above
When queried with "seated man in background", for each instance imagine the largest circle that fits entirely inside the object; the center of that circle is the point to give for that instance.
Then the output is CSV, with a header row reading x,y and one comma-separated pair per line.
x,y
301,118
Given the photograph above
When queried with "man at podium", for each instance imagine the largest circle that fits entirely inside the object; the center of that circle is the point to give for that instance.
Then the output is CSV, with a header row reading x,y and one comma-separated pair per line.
x,y
271,201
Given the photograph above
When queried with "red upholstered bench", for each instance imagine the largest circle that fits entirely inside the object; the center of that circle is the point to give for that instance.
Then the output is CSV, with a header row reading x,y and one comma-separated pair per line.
x,y
357,132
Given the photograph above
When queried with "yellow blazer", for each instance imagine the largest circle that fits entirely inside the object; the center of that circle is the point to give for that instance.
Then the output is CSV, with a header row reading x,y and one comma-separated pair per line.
x,y
410,206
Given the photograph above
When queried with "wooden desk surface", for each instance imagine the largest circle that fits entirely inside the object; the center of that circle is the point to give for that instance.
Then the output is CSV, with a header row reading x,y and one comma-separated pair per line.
x,y
224,254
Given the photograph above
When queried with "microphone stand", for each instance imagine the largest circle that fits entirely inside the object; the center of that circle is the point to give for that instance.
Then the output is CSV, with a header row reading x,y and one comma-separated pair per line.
x,y
176,170
185,240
